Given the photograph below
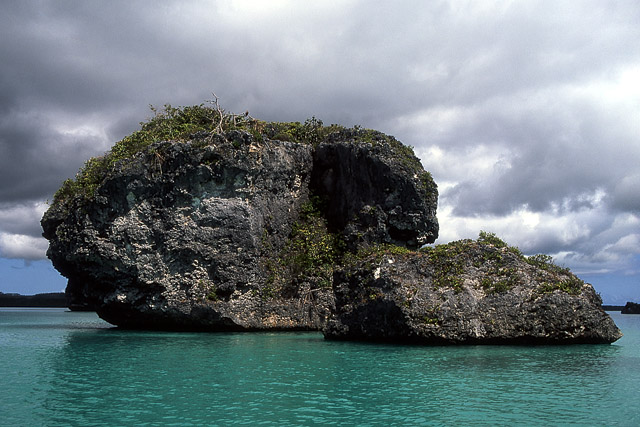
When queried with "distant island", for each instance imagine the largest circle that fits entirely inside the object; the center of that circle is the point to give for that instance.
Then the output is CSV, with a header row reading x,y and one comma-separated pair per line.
x,y
53,299
631,308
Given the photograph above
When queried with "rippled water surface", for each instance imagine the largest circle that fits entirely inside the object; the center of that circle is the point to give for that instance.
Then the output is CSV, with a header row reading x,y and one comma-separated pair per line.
x,y
67,368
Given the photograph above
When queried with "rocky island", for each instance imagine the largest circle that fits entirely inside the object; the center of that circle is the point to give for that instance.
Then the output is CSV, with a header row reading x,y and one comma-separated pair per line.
x,y
52,299
631,308
205,220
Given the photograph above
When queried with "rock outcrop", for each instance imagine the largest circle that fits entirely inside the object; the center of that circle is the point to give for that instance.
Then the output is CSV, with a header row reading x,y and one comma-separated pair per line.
x,y
214,233
631,308
466,292
287,226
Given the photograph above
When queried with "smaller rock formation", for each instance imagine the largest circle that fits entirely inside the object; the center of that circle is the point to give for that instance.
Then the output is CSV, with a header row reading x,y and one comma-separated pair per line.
x,y
631,308
466,292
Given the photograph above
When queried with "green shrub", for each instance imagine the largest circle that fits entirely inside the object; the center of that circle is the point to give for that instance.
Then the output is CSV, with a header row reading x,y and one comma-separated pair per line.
x,y
448,263
311,253
500,280
428,319
540,260
311,245
212,295
572,286
545,262
377,251
491,239
312,131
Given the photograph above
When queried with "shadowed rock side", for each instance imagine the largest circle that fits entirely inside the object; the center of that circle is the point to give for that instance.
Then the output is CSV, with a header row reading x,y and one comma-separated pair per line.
x,y
190,235
377,193
466,293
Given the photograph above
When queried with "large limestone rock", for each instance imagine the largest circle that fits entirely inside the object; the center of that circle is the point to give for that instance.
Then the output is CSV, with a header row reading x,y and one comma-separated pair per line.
x,y
191,235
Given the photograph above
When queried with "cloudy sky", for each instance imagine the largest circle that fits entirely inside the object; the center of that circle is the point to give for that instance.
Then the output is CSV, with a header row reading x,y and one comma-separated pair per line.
x,y
527,113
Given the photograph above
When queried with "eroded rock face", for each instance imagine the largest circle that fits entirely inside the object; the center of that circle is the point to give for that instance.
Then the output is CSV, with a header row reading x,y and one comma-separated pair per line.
x,y
375,194
186,235
479,294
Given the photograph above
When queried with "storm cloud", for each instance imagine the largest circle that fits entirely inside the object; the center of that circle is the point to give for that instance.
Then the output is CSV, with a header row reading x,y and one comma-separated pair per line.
x,y
526,113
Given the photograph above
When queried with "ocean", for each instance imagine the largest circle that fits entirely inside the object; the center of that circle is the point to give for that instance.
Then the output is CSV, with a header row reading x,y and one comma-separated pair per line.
x,y
62,368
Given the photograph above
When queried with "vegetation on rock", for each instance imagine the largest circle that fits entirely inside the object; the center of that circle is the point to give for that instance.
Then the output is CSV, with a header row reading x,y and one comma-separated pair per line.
x,y
493,257
479,291
311,254
488,258
207,120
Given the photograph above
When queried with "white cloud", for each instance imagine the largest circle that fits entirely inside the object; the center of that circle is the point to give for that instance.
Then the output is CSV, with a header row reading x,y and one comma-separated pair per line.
x,y
20,231
626,194
22,246
22,218
455,165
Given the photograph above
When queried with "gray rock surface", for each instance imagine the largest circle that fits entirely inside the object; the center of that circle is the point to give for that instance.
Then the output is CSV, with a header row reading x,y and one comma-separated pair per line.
x,y
466,293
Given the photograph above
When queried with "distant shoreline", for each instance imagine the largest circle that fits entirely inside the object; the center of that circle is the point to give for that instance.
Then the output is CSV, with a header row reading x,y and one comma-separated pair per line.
x,y
53,299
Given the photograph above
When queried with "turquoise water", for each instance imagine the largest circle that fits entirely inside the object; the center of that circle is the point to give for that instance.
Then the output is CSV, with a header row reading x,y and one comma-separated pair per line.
x,y
68,368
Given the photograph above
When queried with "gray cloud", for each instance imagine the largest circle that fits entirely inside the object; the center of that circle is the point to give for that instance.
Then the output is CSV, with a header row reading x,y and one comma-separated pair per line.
x,y
626,194
558,157
35,158
518,109
22,218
